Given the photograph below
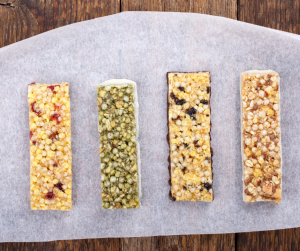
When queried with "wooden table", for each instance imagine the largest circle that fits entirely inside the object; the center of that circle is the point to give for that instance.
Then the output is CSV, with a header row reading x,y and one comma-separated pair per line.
x,y
20,19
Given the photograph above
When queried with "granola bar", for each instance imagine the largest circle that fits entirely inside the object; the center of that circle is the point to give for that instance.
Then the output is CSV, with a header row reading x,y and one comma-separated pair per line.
x,y
261,136
50,147
119,149
189,136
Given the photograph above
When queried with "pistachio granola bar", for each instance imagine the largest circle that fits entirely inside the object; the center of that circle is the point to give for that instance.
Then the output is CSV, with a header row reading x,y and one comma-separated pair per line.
x,y
119,149
189,136
261,136
50,147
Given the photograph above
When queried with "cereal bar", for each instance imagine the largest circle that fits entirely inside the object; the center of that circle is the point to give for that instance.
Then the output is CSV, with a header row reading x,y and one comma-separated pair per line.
x,y
119,149
50,147
189,136
261,137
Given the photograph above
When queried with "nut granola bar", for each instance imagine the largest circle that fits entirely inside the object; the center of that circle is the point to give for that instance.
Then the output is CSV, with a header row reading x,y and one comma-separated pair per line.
x,y
189,136
50,147
261,136
119,149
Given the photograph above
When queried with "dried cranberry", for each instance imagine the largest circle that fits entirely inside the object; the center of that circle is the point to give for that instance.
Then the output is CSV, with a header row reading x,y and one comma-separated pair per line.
x,y
34,142
34,110
51,87
33,83
50,195
53,136
55,164
181,88
172,95
31,134
207,186
259,182
55,117
57,107
59,185
205,102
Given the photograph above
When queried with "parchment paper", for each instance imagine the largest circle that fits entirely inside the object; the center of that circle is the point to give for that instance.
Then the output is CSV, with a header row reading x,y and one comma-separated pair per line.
x,y
143,47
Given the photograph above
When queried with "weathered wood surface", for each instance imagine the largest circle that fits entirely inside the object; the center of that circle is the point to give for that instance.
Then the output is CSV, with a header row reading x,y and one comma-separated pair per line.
x,y
20,19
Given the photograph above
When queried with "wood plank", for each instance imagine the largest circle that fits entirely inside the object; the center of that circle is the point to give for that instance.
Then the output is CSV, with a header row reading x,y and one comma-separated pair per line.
x,y
225,8
108,244
180,243
280,14
287,239
20,19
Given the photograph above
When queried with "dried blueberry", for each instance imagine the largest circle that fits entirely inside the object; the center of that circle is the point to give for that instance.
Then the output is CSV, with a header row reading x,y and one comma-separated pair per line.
x,y
172,95
193,110
184,188
180,102
181,88
186,145
207,89
59,185
207,186
173,198
205,102
195,142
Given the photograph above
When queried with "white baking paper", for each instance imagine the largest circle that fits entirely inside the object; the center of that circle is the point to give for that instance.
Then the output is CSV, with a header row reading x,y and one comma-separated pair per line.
x,y
143,47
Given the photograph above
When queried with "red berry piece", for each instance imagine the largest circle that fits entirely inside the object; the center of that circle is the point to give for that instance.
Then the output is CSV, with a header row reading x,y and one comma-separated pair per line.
x,y
33,108
53,136
50,195
55,117
31,134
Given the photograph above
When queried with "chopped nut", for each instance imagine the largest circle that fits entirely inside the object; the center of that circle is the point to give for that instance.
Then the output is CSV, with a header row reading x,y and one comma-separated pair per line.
x,y
261,141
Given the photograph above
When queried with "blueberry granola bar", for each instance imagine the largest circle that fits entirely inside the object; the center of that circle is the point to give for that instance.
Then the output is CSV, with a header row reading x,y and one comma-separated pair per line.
x,y
189,136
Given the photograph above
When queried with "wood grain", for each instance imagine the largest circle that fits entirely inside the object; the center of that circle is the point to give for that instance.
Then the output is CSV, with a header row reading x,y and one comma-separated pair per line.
x,y
20,19
287,239
225,8
218,242
278,14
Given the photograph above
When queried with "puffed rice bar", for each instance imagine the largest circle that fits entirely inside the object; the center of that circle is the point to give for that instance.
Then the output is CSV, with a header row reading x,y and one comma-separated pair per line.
x,y
261,136
119,148
189,136
50,147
